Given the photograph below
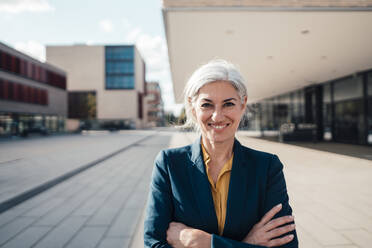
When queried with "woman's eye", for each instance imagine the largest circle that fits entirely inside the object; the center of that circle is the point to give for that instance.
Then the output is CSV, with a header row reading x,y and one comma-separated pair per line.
x,y
206,105
229,104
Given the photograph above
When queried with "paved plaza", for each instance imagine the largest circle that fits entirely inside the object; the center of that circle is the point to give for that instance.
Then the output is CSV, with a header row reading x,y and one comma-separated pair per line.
x,y
102,204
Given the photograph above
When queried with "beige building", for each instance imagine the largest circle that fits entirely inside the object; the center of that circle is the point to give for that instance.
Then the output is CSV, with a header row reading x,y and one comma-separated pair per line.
x,y
308,64
113,76
155,111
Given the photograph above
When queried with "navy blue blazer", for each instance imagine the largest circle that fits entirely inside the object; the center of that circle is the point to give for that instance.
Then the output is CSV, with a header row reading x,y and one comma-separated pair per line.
x,y
180,192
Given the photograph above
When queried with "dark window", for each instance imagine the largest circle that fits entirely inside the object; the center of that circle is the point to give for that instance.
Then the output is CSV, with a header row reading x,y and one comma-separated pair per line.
x,y
21,97
8,62
32,95
2,59
1,88
10,91
29,70
33,71
25,93
140,107
15,92
44,97
17,65
5,88
349,126
369,108
82,105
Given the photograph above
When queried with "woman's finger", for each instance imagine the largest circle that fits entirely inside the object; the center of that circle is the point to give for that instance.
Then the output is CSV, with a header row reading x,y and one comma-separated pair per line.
x,y
280,241
269,215
278,222
280,231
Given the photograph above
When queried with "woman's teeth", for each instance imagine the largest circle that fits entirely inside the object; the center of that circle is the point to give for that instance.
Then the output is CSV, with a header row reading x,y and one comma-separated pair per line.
x,y
219,126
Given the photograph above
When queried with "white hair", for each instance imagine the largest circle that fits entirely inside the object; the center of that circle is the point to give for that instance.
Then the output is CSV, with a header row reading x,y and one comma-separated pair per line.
x,y
214,70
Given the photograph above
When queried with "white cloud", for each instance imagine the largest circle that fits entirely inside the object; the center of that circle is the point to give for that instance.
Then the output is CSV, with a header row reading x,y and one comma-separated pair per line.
x,y
18,6
154,51
33,48
91,42
106,25
133,35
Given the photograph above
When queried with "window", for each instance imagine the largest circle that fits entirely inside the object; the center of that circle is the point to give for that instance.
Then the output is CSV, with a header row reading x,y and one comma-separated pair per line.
x,y
369,108
82,105
349,126
119,67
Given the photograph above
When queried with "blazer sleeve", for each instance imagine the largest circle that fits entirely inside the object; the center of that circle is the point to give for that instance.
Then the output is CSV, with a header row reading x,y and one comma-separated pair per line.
x,y
276,192
159,210
223,242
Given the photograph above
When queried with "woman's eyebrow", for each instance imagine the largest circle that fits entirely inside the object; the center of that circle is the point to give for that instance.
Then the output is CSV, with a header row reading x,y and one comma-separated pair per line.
x,y
206,99
229,99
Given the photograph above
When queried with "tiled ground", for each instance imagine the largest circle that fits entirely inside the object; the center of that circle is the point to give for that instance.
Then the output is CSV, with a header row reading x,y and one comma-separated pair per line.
x,y
28,163
97,208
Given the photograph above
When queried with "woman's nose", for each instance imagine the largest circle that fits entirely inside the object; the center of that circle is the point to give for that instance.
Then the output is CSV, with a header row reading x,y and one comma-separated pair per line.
x,y
217,115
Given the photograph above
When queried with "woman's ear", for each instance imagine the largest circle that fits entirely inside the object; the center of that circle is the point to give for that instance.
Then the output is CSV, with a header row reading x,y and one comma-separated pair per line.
x,y
192,107
245,101
193,111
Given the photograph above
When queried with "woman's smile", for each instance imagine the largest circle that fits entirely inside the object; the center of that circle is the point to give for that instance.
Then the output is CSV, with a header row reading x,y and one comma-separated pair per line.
x,y
218,127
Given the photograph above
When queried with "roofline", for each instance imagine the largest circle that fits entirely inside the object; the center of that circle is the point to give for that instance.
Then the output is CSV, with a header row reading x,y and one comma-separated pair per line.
x,y
264,9
45,64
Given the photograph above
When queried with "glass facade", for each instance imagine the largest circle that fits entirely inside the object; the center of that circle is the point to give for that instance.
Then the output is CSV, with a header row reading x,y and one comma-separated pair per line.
x,y
12,124
119,66
327,111
369,108
348,105
339,110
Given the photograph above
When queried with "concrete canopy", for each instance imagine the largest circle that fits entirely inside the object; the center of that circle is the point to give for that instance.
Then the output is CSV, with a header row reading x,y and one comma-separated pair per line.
x,y
277,50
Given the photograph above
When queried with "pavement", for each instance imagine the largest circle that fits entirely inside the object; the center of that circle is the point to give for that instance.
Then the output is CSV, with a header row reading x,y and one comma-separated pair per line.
x,y
331,194
101,202
98,207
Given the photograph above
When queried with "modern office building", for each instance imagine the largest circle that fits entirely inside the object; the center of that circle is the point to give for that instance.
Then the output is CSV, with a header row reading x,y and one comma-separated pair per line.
x,y
106,84
155,110
307,63
33,96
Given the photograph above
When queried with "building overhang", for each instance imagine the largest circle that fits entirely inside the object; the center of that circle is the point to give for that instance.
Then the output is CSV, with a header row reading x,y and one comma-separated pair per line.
x,y
277,49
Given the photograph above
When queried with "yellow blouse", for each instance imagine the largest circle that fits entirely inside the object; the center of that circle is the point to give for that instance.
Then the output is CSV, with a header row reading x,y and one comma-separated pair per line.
x,y
219,190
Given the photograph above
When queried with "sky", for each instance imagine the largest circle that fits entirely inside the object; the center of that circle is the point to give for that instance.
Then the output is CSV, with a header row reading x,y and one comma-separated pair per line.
x,y
30,25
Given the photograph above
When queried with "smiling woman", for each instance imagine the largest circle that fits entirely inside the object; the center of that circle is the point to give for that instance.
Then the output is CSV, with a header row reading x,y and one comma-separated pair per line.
x,y
216,192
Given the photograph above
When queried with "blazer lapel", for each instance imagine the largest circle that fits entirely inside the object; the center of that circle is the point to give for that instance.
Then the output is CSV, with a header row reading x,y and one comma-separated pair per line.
x,y
201,188
237,192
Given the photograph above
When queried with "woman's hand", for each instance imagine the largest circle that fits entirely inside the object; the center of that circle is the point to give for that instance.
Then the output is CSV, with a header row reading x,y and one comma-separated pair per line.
x,y
181,236
265,232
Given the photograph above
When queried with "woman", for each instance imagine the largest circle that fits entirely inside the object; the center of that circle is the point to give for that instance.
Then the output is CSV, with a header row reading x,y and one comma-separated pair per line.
x,y
216,192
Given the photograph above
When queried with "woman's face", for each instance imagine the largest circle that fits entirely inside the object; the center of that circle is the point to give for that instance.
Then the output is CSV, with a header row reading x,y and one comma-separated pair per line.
x,y
218,110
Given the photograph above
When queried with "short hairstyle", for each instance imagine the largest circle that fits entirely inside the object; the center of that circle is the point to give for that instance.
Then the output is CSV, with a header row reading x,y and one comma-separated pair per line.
x,y
214,70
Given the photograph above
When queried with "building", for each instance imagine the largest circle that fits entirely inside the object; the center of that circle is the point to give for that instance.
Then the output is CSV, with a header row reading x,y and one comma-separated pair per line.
x,y
155,111
33,95
106,84
308,63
